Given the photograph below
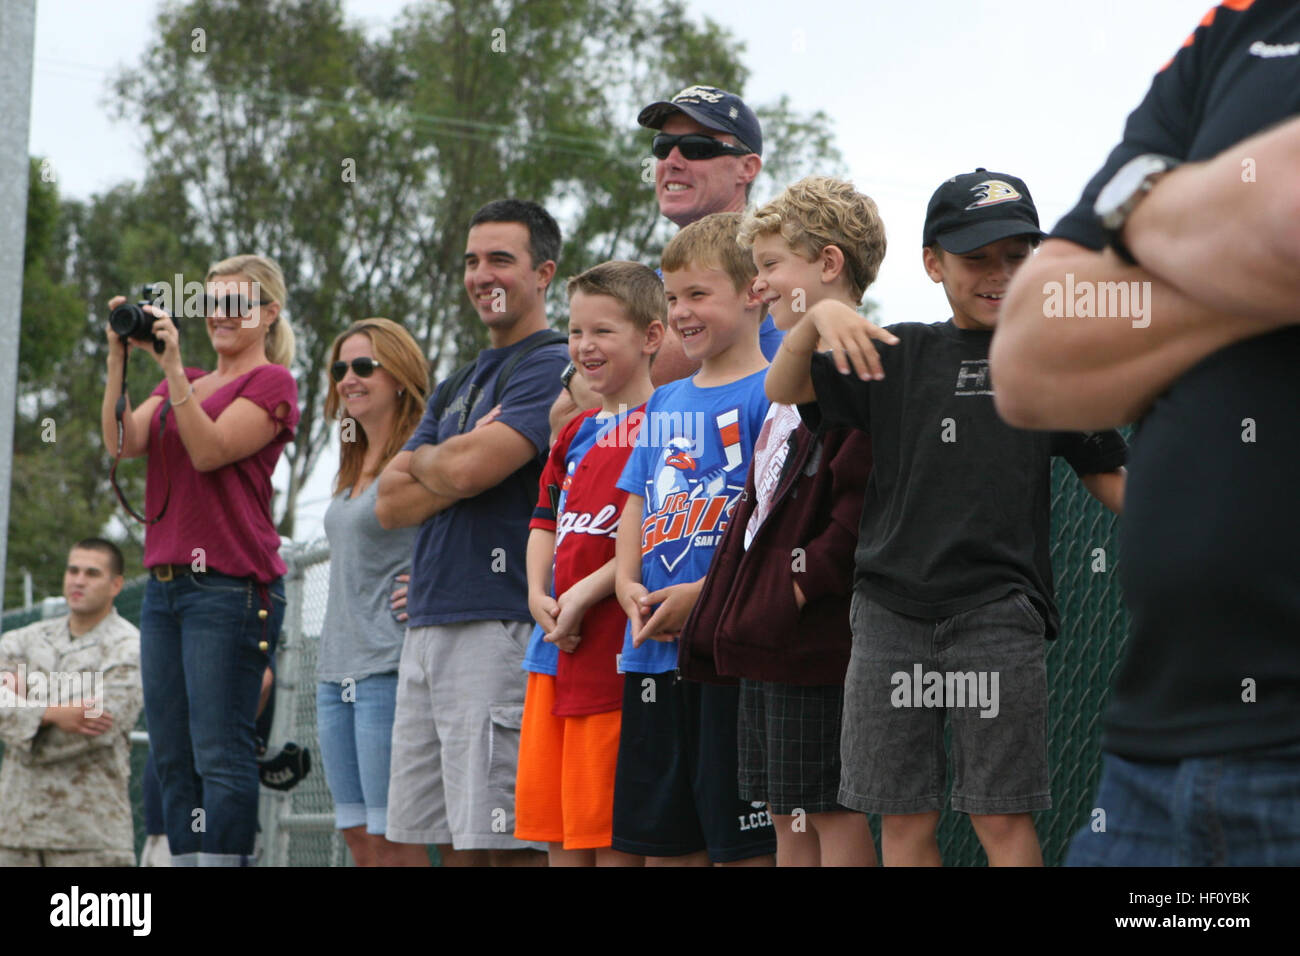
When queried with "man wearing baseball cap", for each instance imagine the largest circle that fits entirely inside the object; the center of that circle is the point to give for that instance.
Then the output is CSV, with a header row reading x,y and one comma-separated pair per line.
x,y
709,148
953,574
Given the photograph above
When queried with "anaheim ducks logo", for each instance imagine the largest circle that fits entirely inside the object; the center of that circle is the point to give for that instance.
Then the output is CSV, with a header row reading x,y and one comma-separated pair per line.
x,y
693,94
992,192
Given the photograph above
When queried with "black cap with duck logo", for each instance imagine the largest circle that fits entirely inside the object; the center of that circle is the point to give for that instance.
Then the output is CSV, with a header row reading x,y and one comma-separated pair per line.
x,y
974,209
709,106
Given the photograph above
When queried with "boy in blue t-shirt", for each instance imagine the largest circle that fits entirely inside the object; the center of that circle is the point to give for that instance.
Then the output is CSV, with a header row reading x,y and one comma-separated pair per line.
x,y
675,790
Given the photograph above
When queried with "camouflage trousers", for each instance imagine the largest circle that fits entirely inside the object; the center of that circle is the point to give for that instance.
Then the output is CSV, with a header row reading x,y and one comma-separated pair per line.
x,y
11,857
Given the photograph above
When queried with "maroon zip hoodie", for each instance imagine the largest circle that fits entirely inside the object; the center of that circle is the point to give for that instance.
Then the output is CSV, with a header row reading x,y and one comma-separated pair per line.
x,y
746,622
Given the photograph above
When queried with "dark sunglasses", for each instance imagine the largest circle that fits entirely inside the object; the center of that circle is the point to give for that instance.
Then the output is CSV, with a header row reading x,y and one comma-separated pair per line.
x,y
235,305
694,146
364,366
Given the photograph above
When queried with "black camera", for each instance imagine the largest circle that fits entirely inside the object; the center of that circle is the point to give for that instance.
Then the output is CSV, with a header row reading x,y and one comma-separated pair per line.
x,y
130,320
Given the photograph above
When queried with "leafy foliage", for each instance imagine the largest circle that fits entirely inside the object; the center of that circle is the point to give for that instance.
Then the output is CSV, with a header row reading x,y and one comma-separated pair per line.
x,y
356,161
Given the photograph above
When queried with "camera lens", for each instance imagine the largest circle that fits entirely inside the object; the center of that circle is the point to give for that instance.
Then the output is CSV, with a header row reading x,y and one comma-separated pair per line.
x,y
129,321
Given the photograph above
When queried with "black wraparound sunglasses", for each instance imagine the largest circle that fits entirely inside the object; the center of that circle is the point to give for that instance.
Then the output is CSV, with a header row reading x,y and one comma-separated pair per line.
x,y
694,146
364,366
234,305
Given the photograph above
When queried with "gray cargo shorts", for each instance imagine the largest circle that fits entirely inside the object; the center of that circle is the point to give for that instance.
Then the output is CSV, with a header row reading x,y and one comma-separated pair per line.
x,y
460,704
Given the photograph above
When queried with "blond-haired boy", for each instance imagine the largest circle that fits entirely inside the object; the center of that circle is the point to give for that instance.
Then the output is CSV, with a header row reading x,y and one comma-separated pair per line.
x,y
675,795
775,608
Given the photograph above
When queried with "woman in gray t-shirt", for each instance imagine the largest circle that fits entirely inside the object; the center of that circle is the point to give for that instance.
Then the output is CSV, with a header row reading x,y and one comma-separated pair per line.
x,y
380,382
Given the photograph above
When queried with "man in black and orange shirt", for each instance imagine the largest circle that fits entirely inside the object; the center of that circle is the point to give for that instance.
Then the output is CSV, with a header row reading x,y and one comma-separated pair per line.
x,y
1195,212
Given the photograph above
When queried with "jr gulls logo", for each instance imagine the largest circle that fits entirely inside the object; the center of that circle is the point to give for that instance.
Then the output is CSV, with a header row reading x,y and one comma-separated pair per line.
x,y
689,505
993,192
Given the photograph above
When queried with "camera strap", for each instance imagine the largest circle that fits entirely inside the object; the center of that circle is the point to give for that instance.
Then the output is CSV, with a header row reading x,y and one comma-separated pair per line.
x,y
119,414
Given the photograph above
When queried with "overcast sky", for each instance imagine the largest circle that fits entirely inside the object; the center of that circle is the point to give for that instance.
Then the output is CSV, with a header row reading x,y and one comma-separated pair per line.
x,y
916,91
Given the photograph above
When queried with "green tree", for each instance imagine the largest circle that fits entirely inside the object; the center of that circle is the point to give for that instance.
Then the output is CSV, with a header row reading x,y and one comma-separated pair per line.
x,y
76,257
358,162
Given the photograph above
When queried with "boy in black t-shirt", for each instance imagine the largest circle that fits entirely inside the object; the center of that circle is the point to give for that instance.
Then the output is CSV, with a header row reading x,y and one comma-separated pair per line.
x,y
953,591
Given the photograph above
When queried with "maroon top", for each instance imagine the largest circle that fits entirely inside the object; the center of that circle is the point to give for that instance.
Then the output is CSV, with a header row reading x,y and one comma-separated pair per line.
x,y
745,622
226,512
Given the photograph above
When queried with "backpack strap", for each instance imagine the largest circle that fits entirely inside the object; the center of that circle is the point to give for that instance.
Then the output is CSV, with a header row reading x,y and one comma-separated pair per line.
x,y
551,337
449,389
461,376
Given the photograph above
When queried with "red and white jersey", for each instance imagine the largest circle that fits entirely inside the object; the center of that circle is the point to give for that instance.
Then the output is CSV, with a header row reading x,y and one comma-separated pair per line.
x,y
580,501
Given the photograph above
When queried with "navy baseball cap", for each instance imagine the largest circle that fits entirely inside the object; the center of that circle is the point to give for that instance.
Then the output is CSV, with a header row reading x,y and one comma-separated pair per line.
x,y
709,106
974,209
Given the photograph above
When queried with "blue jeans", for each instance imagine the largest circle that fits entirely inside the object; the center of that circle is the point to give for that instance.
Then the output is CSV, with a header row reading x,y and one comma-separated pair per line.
x,y
354,724
201,664
1235,810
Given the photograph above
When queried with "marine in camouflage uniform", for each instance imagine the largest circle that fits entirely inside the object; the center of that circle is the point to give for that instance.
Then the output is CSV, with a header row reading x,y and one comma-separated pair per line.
x,y
64,796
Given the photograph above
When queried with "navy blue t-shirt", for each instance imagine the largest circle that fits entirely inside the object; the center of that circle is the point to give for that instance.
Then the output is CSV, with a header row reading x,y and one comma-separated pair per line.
x,y
469,560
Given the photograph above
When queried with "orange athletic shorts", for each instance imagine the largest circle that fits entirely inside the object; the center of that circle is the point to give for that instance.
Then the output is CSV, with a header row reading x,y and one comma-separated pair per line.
x,y
564,791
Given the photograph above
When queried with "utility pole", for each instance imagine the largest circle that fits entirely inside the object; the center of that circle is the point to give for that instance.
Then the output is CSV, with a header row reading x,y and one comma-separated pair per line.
x,y
17,38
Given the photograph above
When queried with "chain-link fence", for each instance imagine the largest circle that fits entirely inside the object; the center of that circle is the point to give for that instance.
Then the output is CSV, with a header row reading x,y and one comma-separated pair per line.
x,y
1080,662
298,827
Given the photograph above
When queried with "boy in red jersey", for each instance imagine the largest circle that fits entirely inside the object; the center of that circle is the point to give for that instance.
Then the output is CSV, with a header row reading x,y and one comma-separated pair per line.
x,y
569,744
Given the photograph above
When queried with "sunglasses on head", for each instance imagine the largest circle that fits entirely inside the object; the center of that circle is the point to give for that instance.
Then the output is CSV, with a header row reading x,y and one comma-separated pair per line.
x,y
694,146
233,305
364,366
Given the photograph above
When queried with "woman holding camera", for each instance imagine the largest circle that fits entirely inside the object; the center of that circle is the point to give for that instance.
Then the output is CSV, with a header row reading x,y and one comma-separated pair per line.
x,y
215,600
380,381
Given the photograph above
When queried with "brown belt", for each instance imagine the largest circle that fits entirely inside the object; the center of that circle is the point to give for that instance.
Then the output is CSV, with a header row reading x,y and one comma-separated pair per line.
x,y
167,572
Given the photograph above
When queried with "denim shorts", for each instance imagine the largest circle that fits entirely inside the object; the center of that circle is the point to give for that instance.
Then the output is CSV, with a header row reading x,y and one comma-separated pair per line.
x,y
354,724
1233,810
985,669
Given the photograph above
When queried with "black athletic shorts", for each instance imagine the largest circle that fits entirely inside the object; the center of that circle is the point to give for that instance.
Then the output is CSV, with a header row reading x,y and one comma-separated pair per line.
x,y
675,786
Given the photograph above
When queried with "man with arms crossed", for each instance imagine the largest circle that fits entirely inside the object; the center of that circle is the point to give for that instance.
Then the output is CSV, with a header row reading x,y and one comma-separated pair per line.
x,y
66,775
468,477
1191,224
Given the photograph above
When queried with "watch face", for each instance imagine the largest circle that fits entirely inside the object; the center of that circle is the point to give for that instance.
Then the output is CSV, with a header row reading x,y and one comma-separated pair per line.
x,y
1114,202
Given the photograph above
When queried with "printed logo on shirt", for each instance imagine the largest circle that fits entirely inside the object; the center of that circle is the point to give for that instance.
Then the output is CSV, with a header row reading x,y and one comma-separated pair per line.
x,y
603,522
1269,51
689,508
992,192
462,405
973,378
